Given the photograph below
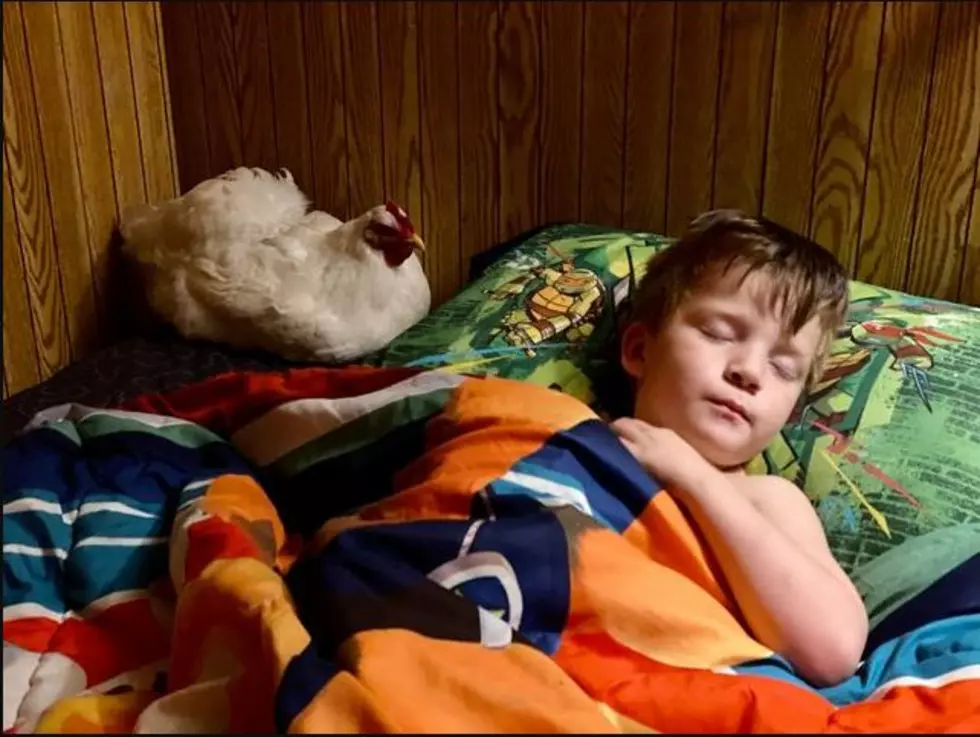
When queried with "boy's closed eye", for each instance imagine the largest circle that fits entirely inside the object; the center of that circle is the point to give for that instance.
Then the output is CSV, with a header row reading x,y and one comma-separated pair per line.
x,y
787,369
788,363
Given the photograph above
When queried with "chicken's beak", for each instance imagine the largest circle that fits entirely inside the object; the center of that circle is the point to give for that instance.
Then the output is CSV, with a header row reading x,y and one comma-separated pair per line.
x,y
417,243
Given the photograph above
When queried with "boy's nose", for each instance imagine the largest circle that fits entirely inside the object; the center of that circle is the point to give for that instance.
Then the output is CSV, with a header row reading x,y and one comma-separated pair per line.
x,y
744,375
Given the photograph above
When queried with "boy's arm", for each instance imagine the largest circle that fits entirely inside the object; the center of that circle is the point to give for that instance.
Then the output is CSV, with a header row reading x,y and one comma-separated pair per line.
x,y
792,593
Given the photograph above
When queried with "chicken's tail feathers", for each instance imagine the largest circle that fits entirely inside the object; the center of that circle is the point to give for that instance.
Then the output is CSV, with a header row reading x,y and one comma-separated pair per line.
x,y
140,227
245,204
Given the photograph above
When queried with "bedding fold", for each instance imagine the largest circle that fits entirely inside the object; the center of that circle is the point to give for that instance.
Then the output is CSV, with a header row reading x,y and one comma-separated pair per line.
x,y
391,550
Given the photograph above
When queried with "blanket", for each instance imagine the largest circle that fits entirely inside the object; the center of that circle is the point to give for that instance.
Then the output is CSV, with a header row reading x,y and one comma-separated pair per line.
x,y
391,550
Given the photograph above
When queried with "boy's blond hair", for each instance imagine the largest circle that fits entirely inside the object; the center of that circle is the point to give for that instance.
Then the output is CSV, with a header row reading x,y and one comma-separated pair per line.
x,y
806,280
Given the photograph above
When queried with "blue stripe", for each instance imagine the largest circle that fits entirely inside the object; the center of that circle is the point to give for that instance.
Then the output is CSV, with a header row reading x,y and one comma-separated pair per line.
x,y
36,530
617,487
131,467
956,593
93,572
304,677
930,651
33,580
114,524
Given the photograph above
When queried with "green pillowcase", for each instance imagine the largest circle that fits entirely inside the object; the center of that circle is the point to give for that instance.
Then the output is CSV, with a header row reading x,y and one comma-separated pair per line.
x,y
887,446
544,312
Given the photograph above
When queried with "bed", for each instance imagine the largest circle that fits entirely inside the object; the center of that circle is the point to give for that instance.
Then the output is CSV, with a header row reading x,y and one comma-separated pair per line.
x,y
241,544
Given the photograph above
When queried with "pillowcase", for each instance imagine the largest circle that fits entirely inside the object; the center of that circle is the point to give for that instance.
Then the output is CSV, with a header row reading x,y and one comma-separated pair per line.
x,y
544,311
887,446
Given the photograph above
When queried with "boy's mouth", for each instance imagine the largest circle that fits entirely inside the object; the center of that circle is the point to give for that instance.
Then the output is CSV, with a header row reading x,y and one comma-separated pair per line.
x,y
733,407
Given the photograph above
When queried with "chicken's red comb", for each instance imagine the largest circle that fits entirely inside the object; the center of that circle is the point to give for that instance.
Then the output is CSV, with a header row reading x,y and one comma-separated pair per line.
x,y
397,210
401,217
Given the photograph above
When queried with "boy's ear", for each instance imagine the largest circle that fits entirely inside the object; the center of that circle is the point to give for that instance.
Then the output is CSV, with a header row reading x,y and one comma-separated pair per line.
x,y
632,349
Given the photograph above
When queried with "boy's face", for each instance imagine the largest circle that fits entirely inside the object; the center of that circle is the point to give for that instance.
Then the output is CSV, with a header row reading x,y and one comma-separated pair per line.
x,y
721,372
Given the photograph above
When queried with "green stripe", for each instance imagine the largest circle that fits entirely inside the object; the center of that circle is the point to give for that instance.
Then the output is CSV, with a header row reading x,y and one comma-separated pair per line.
x,y
900,574
67,429
361,432
186,434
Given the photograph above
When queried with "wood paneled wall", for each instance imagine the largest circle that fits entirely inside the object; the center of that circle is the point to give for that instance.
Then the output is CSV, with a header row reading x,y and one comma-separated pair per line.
x,y
86,133
857,123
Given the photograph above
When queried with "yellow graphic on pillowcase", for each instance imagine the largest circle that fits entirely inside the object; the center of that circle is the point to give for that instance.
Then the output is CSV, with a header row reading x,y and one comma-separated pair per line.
x,y
568,304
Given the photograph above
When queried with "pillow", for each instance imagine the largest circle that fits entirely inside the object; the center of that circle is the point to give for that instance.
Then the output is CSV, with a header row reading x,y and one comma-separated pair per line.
x,y
543,312
887,446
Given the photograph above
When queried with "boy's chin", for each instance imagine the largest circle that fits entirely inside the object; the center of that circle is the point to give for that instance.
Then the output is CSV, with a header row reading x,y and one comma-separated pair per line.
x,y
723,452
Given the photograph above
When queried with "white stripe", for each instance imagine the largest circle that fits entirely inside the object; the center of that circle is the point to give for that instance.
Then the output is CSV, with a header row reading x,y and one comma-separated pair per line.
x,y
198,484
31,504
189,502
119,507
30,609
110,600
724,670
293,424
966,673
34,552
556,494
122,542
469,537
78,412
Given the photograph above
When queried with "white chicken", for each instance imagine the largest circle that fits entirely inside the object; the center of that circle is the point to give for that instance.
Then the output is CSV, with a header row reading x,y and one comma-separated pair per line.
x,y
240,260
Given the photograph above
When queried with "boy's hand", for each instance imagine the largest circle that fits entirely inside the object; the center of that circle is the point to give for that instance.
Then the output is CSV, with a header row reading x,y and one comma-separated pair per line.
x,y
664,454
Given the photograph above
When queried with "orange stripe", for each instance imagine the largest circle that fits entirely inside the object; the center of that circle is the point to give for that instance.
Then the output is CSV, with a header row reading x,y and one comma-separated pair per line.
x,y
665,535
671,699
484,430
650,608
399,681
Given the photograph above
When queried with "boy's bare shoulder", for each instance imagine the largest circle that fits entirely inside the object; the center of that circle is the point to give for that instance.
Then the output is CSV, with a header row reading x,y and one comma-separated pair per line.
x,y
771,492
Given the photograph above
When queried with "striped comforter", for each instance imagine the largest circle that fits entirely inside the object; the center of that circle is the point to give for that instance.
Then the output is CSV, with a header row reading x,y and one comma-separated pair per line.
x,y
389,550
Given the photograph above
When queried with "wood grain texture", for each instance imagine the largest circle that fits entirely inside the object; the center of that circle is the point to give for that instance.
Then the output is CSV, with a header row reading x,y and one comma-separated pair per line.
x,y
562,75
327,106
970,278
86,130
694,102
650,76
365,136
289,100
220,81
638,113
25,166
794,118
603,118
748,39
254,75
440,145
519,113
58,149
849,90
948,161
479,129
149,86
120,102
399,58
182,45
95,167
907,51
20,362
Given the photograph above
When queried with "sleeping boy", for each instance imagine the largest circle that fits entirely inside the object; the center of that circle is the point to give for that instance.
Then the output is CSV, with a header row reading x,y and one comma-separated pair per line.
x,y
730,325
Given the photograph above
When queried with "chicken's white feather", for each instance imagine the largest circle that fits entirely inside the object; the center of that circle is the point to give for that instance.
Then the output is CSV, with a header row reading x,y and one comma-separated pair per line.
x,y
240,260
